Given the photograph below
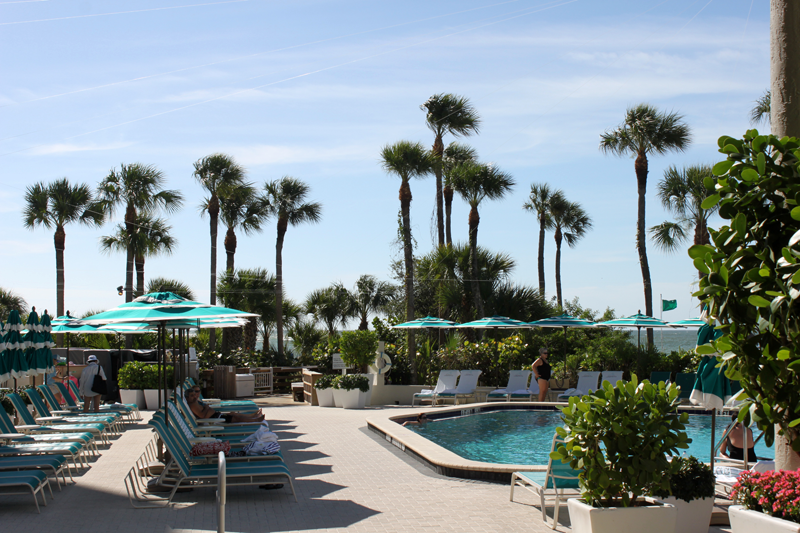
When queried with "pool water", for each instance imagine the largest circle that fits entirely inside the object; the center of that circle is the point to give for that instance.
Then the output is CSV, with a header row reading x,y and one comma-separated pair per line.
x,y
525,437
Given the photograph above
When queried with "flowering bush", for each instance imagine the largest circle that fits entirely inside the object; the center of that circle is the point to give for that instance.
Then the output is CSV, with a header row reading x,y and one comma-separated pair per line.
x,y
776,493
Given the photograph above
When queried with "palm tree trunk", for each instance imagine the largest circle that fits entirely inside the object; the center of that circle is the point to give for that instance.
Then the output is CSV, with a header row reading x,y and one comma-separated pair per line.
x,y
249,334
364,325
213,215
474,220
641,181
448,210
230,249
139,261
405,207
542,220
784,68
558,238
59,240
438,150
282,224
130,220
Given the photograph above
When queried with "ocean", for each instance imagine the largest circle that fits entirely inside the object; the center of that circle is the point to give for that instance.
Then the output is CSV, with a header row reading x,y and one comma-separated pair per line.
x,y
669,340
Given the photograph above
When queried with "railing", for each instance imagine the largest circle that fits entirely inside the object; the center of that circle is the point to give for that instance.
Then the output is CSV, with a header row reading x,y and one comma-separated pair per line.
x,y
222,493
263,383
284,376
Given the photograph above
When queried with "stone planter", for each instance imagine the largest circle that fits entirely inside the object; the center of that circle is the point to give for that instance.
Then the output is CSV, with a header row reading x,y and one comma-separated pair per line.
x,y
353,399
659,518
337,397
747,521
128,396
693,516
151,399
325,397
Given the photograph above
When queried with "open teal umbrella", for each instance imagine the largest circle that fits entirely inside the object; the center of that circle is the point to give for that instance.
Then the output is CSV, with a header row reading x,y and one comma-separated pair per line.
x,y
564,321
494,322
427,322
637,321
14,355
690,322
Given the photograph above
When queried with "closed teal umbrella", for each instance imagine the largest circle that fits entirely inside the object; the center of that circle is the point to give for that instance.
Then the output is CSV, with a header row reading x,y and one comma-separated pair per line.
x,y
44,355
33,343
14,355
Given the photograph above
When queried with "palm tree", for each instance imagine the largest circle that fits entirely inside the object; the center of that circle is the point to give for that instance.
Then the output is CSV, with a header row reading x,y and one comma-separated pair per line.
x,y
644,131
539,202
10,301
305,336
332,306
286,201
407,160
55,205
151,237
682,193
454,155
370,296
447,113
251,290
216,173
159,284
571,223
241,208
762,108
474,183
140,188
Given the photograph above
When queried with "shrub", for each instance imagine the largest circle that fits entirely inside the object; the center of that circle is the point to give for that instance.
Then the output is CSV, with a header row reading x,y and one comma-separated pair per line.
x,y
358,348
132,375
619,437
326,381
352,381
692,481
776,493
151,379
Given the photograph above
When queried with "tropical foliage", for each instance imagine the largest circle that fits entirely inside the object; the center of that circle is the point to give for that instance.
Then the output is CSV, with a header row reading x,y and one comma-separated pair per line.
x,y
539,200
9,301
570,223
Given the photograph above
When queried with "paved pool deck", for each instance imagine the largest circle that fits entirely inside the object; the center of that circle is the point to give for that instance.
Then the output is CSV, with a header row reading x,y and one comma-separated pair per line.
x,y
347,478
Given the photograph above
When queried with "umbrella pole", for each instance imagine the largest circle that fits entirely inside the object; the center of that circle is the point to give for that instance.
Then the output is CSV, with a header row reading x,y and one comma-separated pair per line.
x,y
713,437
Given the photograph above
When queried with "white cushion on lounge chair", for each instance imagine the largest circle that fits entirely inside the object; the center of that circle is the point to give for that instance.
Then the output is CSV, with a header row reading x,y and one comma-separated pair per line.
x,y
466,387
727,476
587,381
611,376
517,381
447,379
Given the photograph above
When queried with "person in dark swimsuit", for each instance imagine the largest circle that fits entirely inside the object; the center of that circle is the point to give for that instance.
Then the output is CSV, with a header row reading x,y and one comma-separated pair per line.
x,y
541,372
733,447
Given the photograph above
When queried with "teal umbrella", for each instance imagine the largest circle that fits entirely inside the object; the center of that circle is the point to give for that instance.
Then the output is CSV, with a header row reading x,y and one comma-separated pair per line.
x,y
494,322
427,322
33,342
44,355
14,355
637,321
690,322
564,321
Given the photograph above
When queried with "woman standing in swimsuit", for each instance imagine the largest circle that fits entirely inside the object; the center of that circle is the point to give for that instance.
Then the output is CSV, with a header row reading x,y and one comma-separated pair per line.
x,y
733,447
541,373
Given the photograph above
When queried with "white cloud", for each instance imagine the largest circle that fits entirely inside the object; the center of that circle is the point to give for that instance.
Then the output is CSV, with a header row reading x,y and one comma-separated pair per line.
x,y
68,148
15,248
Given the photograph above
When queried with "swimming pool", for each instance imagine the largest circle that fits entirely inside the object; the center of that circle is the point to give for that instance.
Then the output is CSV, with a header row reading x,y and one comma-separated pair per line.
x,y
525,436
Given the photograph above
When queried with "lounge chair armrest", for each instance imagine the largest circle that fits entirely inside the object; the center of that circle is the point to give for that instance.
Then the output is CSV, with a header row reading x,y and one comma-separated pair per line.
x,y
209,429
61,412
26,428
46,419
207,421
199,440
214,400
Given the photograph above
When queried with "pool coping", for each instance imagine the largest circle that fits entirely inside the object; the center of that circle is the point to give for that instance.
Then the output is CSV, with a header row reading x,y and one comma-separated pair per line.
x,y
447,463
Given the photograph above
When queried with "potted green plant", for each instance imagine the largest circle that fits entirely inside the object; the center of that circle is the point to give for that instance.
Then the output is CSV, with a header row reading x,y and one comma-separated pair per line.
x,y
352,390
619,437
151,384
131,383
324,386
359,349
691,491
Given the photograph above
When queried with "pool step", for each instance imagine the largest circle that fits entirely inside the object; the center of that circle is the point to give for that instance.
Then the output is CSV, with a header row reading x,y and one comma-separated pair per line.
x,y
719,516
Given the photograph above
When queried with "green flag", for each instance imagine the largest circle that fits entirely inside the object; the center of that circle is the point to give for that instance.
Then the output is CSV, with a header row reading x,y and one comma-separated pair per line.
x,y
669,305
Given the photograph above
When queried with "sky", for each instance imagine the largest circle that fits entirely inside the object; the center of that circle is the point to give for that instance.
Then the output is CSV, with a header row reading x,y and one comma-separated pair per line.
x,y
314,89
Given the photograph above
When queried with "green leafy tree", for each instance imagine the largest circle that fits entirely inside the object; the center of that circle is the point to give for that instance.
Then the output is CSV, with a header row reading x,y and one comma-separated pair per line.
x,y
10,301
539,203
139,188
407,160
332,306
475,183
305,336
151,237
241,208
762,108
447,113
55,205
454,155
370,296
751,280
286,201
645,131
178,287
571,223
251,290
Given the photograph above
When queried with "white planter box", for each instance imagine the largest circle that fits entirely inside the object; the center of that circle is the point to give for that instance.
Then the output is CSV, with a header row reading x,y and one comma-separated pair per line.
x,y
353,399
132,396
693,516
747,521
337,397
151,399
652,519
325,397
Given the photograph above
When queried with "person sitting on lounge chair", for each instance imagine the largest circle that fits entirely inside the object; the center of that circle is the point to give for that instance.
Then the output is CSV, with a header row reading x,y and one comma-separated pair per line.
x,y
733,447
201,410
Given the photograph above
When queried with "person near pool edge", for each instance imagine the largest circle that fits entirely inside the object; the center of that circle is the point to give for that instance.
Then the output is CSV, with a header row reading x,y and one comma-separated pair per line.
x,y
733,447
541,372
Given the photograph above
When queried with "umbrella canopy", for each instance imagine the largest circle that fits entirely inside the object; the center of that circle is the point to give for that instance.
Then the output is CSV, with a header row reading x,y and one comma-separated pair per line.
x,y
427,322
711,388
44,355
162,314
564,321
494,322
690,322
637,321
33,343
14,365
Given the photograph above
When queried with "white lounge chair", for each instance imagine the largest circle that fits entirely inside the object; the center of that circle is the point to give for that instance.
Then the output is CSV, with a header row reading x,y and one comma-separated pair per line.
x,y
612,376
587,383
531,394
517,384
725,476
467,384
447,380
559,482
